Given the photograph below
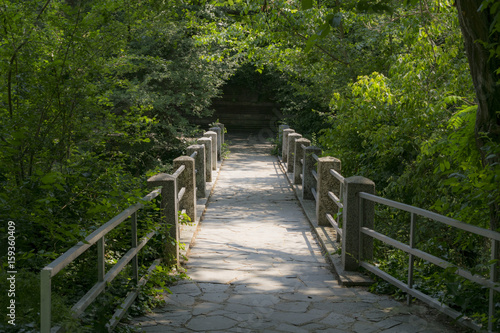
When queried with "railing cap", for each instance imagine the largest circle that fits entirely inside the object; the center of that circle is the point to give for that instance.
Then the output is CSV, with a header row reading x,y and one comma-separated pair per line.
x,y
159,179
303,140
328,159
359,180
196,146
184,159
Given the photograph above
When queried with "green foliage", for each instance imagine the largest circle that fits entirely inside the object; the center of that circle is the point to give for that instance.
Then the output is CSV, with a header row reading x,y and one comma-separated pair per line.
x,y
392,80
492,7
94,99
28,307
96,96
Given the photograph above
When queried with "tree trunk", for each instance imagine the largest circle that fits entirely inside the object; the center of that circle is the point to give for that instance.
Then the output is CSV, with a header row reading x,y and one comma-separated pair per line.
x,y
475,26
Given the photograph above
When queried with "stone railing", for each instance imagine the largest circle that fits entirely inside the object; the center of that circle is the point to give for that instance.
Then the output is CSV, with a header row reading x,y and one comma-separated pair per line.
x,y
180,190
347,205
184,190
336,200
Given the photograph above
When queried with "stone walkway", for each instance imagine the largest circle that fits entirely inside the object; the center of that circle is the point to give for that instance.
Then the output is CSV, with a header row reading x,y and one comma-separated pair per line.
x,y
256,267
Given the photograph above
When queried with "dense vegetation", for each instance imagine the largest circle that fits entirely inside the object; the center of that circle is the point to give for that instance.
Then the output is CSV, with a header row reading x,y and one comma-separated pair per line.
x,y
95,96
386,86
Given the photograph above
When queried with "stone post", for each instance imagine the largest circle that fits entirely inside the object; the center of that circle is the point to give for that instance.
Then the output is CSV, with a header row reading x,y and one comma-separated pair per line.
x,y
327,182
222,134
280,135
308,180
187,180
291,151
213,136
169,209
219,141
299,154
207,143
284,150
353,212
199,164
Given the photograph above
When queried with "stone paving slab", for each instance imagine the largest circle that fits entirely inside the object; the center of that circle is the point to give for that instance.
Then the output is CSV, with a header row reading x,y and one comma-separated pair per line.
x,y
256,266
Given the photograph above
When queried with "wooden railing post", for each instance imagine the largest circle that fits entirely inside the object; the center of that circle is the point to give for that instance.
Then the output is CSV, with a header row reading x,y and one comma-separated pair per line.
x,y
207,143
213,136
170,209
199,164
298,168
291,150
284,150
357,213
327,182
308,180
219,141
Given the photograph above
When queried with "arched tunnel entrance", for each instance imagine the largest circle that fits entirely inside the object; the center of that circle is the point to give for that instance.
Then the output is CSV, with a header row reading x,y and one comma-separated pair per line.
x,y
246,105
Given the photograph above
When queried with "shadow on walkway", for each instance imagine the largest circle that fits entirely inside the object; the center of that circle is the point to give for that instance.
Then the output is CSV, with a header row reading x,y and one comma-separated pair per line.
x,y
256,267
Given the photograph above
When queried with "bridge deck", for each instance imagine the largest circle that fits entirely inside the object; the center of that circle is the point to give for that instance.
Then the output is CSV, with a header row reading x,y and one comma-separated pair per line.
x,y
256,267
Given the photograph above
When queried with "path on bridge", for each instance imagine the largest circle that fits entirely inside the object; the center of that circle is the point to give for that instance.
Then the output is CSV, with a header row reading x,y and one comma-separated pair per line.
x,y
256,266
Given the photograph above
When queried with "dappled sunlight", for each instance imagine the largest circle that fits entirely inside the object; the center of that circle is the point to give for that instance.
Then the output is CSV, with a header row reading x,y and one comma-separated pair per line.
x,y
256,265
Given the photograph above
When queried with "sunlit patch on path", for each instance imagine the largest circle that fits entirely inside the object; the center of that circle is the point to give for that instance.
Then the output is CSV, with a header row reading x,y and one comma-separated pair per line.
x,y
256,266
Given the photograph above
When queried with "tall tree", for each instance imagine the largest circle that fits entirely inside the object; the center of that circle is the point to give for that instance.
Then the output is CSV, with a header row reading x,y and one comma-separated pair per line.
x,y
479,24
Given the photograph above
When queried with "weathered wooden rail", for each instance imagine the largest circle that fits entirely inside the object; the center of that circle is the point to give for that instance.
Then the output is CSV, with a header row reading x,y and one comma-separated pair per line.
x,y
348,206
179,192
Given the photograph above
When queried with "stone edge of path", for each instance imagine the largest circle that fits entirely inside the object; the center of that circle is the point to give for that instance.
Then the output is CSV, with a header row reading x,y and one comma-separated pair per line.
x,y
188,232
327,237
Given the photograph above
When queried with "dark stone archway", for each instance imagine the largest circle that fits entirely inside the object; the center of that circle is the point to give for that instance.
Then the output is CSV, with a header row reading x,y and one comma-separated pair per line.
x,y
241,109
246,104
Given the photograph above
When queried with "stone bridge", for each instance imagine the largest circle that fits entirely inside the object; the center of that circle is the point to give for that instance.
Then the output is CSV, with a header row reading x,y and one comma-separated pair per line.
x,y
275,245
257,263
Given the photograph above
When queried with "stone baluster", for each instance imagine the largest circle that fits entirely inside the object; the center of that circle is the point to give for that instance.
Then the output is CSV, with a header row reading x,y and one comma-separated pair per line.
x,y
169,207
187,180
213,136
326,183
298,168
207,143
280,135
291,151
199,163
308,180
222,130
354,210
219,141
284,150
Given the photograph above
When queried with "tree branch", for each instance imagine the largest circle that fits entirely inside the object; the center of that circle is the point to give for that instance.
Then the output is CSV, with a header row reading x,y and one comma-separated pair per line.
x,y
14,57
324,51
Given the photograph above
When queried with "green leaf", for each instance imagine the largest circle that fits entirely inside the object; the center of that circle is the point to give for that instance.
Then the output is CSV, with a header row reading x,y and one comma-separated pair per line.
x,y
310,43
446,164
411,2
307,4
336,20
324,30
49,178
494,8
